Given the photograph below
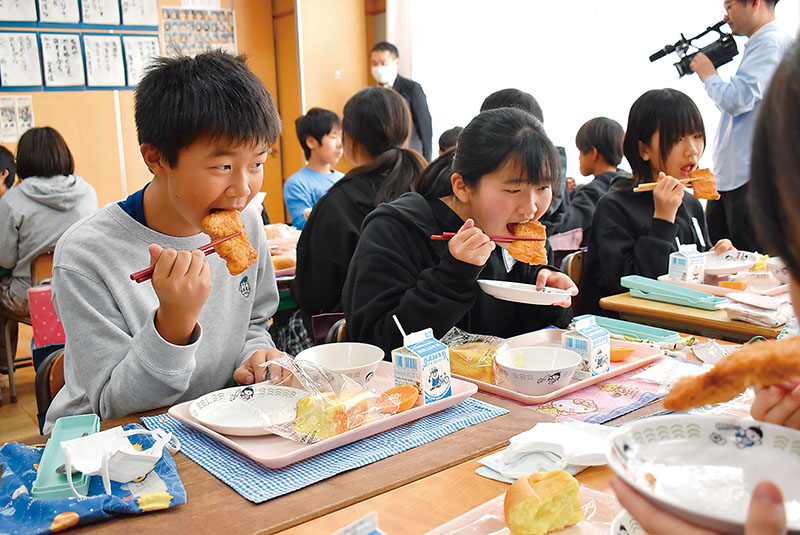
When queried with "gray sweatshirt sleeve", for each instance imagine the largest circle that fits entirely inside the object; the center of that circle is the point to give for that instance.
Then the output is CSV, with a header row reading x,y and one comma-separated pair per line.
x,y
120,374
265,302
9,237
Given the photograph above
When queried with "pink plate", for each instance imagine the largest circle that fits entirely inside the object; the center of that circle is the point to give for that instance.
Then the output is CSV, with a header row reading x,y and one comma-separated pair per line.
x,y
552,337
276,452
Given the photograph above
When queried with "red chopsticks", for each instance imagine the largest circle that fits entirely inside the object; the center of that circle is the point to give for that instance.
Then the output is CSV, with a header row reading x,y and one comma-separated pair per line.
x,y
145,274
445,236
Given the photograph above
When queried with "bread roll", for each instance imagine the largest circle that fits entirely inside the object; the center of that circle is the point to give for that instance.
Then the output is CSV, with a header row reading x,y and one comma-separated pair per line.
x,y
474,360
542,502
283,262
330,413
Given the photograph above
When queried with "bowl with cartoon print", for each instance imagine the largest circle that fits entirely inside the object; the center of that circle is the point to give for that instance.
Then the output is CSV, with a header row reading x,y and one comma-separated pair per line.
x,y
703,468
537,370
356,360
778,269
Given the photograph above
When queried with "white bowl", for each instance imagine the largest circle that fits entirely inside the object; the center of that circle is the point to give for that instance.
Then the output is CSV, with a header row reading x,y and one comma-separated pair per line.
x,y
357,361
778,269
538,370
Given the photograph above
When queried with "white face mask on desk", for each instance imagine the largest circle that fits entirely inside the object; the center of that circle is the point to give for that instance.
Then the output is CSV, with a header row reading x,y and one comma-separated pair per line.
x,y
110,454
385,74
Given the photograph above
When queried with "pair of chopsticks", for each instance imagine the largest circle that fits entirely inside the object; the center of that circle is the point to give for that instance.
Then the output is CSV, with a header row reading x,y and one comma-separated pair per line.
x,y
650,186
445,236
146,274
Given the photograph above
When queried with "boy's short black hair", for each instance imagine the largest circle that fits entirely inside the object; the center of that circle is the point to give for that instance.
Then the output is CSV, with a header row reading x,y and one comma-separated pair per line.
x,y
7,163
603,134
212,95
449,138
389,47
317,123
42,152
513,98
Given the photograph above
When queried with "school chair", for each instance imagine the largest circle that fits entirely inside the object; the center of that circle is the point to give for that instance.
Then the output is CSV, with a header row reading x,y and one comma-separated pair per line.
x,y
322,326
41,272
49,380
572,265
337,332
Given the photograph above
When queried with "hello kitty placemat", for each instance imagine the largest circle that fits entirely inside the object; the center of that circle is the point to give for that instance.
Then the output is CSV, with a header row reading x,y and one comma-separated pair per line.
x,y
603,401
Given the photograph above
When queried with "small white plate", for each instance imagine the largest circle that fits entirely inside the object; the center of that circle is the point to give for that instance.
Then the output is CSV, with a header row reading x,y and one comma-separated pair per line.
x,y
523,293
729,262
625,524
704,468
234,411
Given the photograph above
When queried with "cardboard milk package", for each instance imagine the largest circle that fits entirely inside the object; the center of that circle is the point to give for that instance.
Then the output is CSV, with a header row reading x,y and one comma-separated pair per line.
x,y
592,343
423,361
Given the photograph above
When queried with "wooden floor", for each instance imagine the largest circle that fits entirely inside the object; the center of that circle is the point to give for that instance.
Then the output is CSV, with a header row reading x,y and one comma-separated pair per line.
x,y
19,419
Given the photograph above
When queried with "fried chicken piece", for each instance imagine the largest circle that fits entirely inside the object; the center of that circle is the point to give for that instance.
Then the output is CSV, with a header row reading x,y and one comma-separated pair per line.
x,y
706,186
762,363
531,252
237,251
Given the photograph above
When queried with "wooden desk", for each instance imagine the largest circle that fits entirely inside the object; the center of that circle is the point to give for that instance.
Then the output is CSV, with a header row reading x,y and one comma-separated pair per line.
x,y
214,506
713,324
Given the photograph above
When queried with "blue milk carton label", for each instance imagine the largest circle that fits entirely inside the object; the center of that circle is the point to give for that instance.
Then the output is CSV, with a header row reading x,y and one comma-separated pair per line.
x,y
423,362
592,343
687,264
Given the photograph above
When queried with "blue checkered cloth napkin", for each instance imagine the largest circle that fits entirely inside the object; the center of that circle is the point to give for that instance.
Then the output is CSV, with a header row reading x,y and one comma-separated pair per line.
x,y
258,483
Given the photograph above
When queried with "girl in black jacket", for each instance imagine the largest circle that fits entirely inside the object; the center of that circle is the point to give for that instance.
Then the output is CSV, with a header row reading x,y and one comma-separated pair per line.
x,y
503,172
375,127
634,233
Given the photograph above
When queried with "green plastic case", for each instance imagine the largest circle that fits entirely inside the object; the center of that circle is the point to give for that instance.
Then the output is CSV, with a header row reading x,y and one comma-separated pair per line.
x,y
49,484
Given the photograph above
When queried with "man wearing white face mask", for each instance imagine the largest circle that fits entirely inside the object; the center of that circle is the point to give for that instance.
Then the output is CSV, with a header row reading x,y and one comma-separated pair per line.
x,y
385,59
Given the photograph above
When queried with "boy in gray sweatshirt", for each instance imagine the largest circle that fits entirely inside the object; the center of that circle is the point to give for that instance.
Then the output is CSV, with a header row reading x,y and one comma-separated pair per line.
x,y
204,126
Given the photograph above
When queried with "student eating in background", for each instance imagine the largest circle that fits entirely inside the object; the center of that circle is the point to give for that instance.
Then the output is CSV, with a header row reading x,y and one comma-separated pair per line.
x,y
320,134
34,214
634,233
194,328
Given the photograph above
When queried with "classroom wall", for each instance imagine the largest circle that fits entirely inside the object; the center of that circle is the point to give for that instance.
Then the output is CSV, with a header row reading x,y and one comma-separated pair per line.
x,y
88,119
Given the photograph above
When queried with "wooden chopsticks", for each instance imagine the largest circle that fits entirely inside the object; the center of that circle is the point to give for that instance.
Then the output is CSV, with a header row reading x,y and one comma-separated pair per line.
x,y
445,236
650,186
146,274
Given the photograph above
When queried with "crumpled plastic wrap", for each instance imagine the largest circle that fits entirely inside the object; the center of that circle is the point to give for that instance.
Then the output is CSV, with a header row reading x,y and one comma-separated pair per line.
x,y
335,404
473,355
758,316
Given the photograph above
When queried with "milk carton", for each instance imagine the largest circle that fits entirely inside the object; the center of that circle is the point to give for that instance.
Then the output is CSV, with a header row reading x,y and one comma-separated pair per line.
x,y
592,343
687,264
423,361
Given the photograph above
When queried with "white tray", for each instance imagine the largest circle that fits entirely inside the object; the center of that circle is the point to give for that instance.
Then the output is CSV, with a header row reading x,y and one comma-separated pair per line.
x,y
552,337
722,292
276,452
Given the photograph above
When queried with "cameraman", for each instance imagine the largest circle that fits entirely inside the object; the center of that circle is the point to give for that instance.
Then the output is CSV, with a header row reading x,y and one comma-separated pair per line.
x,y
739,100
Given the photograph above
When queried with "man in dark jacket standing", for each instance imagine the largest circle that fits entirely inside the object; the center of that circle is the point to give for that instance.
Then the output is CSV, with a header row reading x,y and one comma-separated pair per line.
x,y
384,58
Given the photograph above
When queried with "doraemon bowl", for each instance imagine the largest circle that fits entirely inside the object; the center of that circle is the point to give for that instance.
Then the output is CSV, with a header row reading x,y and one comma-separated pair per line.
x,y
703,468
356,360
537,370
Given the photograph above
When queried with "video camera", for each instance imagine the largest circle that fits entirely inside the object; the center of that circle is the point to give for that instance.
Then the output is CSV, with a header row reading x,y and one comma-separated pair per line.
x,y
719,52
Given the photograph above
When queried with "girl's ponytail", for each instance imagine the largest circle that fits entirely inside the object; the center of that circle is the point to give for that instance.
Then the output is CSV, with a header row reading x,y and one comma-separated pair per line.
x,y
378,119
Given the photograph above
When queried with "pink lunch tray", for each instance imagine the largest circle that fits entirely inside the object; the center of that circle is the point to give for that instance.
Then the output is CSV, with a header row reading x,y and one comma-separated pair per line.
x,y
552,337
276,452
722,292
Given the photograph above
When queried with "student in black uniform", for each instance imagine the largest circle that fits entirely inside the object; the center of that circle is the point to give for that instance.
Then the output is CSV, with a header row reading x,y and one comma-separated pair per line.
x,y
599,141
375,125
634,233
503,172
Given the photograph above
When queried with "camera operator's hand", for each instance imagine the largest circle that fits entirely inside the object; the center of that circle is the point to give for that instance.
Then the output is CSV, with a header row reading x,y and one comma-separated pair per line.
x,y
667,197
702,66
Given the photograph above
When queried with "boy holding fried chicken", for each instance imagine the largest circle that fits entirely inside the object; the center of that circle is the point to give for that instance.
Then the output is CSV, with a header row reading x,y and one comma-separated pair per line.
x,y
204,127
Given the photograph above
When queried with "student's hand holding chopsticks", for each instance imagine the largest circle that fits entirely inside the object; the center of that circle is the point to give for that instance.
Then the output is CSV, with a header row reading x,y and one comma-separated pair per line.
x,y
471,245
667,197
555,279
182,282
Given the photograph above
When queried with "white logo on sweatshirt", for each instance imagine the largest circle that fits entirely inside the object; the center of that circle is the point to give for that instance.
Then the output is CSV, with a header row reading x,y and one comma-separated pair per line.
x,y
244,287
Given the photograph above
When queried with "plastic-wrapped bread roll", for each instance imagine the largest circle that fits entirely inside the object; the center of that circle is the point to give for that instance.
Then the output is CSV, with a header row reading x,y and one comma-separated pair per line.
x,y
542,502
